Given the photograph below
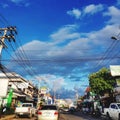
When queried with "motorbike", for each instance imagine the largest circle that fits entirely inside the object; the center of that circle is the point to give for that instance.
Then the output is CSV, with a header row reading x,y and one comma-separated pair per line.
x,y
72,110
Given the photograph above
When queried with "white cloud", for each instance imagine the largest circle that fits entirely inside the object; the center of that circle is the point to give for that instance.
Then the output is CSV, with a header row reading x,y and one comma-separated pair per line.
x,y
50,50
20,2
74,49
75,13
58,84
16,1
114,13
77,43
118,2
92,9
4,5
53,82
65,33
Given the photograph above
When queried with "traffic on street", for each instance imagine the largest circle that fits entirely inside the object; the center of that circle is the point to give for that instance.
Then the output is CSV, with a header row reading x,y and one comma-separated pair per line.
x,y
66,116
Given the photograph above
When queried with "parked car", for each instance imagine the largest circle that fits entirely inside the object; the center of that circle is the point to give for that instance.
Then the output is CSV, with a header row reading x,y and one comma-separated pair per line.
x,y
25,109
48,112
113,111
64,109
72,110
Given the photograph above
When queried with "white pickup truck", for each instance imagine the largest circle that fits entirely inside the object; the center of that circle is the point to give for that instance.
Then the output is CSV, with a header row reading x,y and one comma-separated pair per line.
x,y
25,109
113,111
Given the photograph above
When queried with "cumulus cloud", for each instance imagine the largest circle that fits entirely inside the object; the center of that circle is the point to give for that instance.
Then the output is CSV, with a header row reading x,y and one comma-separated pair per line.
x,y
92,9
114,14
16,1
50,51
75,13
70,58
21,2
64,61
65,33
4,5
54,83
58,84
118,2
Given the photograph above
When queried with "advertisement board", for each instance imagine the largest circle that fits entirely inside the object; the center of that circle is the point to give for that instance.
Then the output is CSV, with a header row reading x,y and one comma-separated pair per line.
x,y
3,87
43,90
115,70
118,82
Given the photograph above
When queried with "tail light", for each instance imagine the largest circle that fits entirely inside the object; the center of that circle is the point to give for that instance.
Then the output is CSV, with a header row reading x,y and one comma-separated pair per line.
x,y
39,113
28,109
56,113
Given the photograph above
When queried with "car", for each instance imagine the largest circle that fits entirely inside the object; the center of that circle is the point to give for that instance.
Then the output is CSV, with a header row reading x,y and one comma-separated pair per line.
x,y
25,109
113,112
63,109
48,112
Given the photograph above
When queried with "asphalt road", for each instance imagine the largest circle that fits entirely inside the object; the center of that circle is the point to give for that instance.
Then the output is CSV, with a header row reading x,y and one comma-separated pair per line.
x,y
65,116
79,116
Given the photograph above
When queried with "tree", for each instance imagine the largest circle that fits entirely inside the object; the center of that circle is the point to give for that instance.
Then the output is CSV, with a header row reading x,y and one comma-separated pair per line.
x,y
102,82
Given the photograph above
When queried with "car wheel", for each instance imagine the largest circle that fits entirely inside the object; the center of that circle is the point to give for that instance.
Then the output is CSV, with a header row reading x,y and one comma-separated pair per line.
x,y
119,117
16,116
30,115
108,116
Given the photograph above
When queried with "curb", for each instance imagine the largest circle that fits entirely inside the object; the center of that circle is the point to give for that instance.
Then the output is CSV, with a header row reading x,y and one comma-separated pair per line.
x,y
7,117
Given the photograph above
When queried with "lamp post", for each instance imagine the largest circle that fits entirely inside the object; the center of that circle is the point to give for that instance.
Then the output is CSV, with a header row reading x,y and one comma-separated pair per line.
x,y
116,37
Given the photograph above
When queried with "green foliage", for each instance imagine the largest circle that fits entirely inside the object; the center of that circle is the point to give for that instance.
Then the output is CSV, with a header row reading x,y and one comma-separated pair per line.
x,y
102,82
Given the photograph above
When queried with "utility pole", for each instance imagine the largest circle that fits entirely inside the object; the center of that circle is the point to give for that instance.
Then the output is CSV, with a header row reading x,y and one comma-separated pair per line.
x,y
7,34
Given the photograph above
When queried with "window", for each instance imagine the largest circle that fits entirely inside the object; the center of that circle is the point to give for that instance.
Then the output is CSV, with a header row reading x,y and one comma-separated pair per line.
x,y
49,107
118,106
26,105
113,106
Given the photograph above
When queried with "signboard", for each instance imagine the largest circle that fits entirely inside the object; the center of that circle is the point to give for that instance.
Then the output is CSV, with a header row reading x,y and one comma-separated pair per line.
x,y
118,82
43,90
115,70
9,98
3,87
23,85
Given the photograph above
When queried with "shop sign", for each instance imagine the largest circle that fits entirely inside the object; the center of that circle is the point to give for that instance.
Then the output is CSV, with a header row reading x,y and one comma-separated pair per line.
x,y
43,90
115,70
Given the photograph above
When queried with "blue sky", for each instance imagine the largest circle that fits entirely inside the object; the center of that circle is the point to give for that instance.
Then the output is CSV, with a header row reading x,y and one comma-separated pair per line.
x,y
63,41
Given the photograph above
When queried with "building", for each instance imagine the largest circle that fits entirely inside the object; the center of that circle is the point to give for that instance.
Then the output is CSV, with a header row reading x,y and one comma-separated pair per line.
x,y
21,89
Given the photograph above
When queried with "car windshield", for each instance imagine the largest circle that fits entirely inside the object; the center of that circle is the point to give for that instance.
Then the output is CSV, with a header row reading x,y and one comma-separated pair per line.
x,y
118,105
26,105
49,107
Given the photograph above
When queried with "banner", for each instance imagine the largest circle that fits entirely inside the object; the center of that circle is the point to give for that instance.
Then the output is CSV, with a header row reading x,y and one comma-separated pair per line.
x,y
9,98
115,70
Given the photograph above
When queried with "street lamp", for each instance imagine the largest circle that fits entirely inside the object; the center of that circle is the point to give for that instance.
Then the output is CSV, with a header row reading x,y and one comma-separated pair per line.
x,y
114,38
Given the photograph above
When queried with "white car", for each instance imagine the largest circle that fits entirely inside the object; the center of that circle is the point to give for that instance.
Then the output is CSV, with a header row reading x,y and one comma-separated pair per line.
x,y
48,112
113,112
25,109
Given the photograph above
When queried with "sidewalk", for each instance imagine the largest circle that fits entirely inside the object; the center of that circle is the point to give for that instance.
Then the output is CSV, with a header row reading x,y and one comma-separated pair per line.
x,y
7,117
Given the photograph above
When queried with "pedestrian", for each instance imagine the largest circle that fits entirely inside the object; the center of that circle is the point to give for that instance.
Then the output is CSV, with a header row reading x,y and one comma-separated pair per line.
x,y
1,108
4,108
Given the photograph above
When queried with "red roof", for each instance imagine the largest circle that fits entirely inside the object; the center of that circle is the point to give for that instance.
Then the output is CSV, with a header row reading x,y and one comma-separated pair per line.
x,y
87,89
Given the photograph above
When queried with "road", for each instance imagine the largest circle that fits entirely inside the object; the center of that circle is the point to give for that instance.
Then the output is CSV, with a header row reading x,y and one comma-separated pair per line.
x,y
67,116
78,116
